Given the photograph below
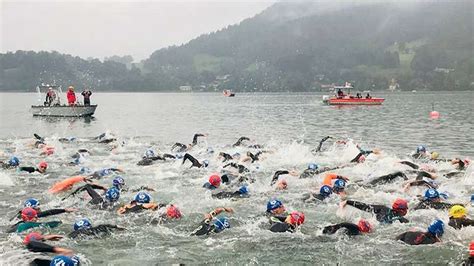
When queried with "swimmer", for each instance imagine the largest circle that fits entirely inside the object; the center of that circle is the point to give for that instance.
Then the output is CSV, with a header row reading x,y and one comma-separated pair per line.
x,y
42,166
278,173
362,227
289,224
67,139
34,242
428,182
194,161
57,261
180,147
431,236
421,153
167,213
29,218
239,141
241,168
382,213
242,192
324,192
141,201
225,157
84,227
105,172
213,183
387,178
35,204
276,211
150,157
213,224
458,217
339,183
318,149
432,199
12,163
252,157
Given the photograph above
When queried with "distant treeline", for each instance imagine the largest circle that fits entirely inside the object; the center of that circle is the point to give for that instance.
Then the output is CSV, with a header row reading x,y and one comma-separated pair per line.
x,y
427,45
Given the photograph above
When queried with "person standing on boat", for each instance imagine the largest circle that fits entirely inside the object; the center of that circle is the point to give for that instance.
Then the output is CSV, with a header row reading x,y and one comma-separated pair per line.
x,y
50,96
71,96
87,96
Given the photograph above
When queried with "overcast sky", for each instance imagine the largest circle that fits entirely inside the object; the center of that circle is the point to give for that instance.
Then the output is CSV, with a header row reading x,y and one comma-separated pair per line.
x,y
105,28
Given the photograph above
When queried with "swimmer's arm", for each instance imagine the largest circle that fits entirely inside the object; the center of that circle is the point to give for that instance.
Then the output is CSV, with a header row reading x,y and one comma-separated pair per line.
x,y
412,165
217,211
54,212
360,205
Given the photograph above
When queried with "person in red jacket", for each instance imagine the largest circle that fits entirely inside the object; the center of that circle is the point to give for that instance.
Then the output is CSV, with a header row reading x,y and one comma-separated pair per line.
x,y
71,96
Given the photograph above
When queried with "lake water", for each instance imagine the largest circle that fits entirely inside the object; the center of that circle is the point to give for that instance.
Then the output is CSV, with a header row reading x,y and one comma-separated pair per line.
x,y
289,125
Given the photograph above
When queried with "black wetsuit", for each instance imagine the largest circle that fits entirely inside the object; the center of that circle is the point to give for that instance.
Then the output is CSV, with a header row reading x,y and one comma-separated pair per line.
x,y
195,138
277,174
39,246
96,198
410,164
382,213
241,168
99,174
255,156
318,149
350,229
95,231
40,262
459,223
361,153
226,156
150,160
193,160
228,194
29,169
140,208
426,204
239,141
418,238
387,178
205,228
181,147
314,196
278,224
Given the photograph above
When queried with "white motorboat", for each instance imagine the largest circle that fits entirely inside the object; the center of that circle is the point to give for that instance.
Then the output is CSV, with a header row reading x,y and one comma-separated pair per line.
x,y
54,107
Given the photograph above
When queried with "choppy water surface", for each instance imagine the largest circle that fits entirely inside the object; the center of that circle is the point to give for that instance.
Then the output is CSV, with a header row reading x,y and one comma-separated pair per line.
x,y
288,124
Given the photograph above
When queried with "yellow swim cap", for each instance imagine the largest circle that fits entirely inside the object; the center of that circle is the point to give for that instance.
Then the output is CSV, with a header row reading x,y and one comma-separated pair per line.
x,y
434,155
457,211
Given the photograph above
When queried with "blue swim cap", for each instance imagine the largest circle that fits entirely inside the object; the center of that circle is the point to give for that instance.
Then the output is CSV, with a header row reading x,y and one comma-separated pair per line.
x,y
205,163
325,190
273,204
85,170
243,190
210,150
339,183
14,161
313,166
221,223
420,148
64,261
112,194
179,156
105,171
82,224
118,182
431,194
142,197
149,153
31,203
436,228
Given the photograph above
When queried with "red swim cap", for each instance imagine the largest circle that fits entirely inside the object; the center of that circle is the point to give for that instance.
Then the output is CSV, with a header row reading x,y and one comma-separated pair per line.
x,y
173,212
400,206
471,249
33,236
296,218
43,164
215,180
364,226
29,214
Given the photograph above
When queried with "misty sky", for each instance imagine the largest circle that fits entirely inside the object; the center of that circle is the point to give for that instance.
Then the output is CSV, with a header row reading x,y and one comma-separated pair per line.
x,y
105,28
